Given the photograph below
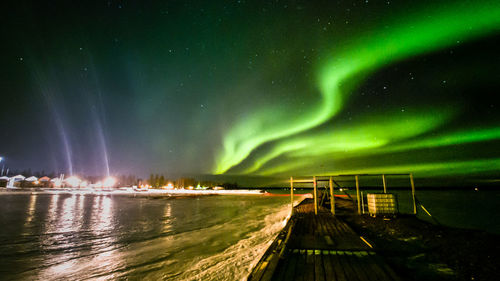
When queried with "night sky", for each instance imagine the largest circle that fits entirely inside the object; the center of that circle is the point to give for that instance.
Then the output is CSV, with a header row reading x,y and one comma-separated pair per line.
x,y
271,88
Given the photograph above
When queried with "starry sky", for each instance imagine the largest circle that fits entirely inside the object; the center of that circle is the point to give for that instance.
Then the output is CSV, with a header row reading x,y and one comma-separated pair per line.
x,y
251,88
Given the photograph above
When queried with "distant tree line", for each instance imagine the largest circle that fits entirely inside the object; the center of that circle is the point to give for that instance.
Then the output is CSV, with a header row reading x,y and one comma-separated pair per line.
x,y
29,173
156,180
159,180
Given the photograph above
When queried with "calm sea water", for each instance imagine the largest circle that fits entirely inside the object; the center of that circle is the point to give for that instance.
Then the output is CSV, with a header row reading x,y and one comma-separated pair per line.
x,y
76,237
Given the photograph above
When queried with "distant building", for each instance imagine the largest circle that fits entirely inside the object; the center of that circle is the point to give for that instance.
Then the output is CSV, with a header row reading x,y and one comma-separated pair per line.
x,y
16,181
3,181
30,182
44,181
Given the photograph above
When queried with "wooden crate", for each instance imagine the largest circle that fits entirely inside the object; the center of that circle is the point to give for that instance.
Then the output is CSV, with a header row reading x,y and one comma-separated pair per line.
x,y
382,204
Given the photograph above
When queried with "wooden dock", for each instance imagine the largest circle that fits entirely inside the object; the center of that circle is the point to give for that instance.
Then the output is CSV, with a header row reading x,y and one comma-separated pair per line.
x,y
320,247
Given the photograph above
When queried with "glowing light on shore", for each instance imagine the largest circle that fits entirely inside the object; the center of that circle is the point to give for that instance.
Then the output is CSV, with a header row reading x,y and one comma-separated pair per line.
x,y
109,182
57,182
73,181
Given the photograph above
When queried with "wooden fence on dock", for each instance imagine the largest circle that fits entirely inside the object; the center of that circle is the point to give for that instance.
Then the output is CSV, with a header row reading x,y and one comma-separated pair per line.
x,y
332,182
316,244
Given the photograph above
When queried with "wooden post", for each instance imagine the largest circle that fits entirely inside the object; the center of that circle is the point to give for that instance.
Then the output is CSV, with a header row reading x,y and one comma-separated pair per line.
x,y
315,195
362,203
332,198
413,194
291,192
357,195
385,183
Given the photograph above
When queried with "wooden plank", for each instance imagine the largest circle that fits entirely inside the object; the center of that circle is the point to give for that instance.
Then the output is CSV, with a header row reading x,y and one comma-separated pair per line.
x,y
348,270
328,240
338,235
332,197
291,193
337,266
328,266
327,233
343,239
315,196
322,236
345,227
261,267
319,271
301,265
319,226
310,224
299,225
320,231
358,267
309,270
314,225
271,267
384,180
280,271
413,194
367,175
351,239
291,224
326,225
357,195
335,227
290,265
303,181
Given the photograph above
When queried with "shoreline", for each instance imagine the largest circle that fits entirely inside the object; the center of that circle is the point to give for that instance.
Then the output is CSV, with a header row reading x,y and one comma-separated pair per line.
x,y
128,192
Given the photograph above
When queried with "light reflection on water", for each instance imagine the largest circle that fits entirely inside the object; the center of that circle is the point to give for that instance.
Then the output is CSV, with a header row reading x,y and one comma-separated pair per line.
x,y
52,218
73,237
102,214
31,210
167,215
67,215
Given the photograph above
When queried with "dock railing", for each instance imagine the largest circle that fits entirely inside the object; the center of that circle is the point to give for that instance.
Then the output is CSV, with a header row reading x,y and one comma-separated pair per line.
x,y
331,181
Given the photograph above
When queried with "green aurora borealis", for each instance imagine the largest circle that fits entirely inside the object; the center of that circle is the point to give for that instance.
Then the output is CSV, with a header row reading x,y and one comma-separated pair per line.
x,y
249,88
412,35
